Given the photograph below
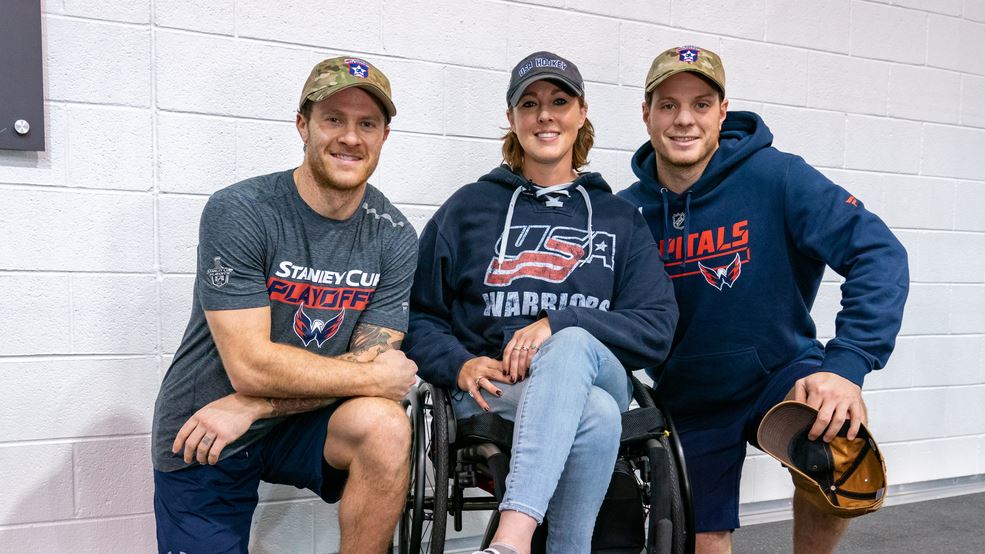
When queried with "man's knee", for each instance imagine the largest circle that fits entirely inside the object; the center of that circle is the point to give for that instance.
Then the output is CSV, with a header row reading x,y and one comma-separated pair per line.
x,y
385,423
371,428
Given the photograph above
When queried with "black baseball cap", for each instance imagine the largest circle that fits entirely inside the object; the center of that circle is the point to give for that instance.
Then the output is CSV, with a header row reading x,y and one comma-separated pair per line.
x,y
544,65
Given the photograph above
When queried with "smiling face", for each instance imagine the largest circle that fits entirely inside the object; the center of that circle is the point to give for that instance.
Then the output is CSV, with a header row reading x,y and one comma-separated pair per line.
x,y
343,138
684,119
546,121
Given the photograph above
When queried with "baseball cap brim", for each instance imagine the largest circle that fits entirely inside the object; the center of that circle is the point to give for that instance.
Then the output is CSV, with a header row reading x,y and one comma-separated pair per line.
x,y
369,87
661,78
569,86
856,483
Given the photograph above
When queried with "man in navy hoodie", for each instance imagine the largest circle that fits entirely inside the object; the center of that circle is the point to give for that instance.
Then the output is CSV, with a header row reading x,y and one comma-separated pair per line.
x,y
745,232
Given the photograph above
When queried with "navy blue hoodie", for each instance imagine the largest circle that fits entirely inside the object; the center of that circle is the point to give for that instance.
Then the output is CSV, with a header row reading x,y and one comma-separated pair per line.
x,y
746,247
502,252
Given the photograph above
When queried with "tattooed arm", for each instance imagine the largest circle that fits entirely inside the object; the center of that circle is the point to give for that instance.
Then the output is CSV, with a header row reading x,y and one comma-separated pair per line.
x,y
222,421
368,342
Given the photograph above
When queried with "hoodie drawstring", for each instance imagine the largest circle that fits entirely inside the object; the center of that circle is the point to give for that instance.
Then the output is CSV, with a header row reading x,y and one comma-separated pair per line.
x,y
506,227
556,189
591,235
665,255
687,224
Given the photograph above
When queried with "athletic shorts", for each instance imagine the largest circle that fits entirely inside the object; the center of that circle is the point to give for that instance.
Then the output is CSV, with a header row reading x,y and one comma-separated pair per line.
x,y
715,447
209,508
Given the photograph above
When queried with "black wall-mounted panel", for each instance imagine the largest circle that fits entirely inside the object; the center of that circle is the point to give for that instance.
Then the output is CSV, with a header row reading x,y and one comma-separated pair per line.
x,y
21,87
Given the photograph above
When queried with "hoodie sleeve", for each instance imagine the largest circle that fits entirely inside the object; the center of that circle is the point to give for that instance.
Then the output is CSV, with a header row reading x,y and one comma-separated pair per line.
x,y
829,224
639,325
429,340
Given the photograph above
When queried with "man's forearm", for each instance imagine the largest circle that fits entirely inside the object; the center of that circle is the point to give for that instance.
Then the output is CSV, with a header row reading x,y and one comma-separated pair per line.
x,y
368,341
284,371
290,406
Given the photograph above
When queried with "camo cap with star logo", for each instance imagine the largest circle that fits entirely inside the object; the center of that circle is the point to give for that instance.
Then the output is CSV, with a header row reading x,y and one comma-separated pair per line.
x,y
686,58
337,74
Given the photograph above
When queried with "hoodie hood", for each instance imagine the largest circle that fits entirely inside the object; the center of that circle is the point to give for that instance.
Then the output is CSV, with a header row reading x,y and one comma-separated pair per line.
x,y
743,134
550,196
506,177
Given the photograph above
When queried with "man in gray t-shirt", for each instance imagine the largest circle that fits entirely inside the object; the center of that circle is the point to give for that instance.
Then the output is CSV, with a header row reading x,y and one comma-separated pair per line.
x,y
289,370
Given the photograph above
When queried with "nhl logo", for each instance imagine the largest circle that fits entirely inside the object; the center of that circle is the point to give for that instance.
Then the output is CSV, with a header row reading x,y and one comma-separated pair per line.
x,y
678,220
218,275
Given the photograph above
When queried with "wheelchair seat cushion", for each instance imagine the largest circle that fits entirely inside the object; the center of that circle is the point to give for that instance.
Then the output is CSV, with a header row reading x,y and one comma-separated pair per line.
x,y
485,428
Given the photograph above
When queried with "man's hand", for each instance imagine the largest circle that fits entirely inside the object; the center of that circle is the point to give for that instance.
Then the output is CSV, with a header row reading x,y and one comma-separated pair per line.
x,y
836,399
478,374
393,375
215,425
523,347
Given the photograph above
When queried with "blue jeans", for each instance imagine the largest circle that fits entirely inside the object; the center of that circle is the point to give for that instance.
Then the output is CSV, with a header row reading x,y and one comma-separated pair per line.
x,y
566,434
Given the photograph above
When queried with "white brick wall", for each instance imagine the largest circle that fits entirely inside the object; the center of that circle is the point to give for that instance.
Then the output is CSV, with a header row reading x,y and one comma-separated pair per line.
x,y
153,105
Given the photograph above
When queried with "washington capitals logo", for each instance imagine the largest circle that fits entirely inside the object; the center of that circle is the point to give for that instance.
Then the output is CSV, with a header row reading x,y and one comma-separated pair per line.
x,y
357,68
316,330
721,276
688,54
217,274
548,254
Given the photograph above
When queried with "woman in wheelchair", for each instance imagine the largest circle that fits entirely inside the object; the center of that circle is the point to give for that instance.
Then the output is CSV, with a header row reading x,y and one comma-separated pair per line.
x,y
536,291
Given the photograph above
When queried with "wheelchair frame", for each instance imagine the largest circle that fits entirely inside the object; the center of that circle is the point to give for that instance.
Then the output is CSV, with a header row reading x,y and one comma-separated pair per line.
x,y
475,452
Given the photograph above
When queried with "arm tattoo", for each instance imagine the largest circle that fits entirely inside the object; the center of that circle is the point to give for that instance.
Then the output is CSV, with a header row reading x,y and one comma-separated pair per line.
x,y
372,340
289,406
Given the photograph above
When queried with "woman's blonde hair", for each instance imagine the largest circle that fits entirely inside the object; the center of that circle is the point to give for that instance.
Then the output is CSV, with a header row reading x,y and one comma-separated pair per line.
x,y
513,151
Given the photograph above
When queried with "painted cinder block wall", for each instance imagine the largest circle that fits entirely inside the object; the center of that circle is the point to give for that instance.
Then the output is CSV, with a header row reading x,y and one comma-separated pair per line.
x,y
152,105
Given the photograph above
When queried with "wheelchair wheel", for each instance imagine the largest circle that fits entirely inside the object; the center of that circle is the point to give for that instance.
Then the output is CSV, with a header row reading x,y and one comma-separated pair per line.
x,y
683,502
679,535
422,525
675,536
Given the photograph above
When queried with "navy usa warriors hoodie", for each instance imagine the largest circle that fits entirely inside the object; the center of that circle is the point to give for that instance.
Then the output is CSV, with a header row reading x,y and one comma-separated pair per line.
x,y
746,247
502,252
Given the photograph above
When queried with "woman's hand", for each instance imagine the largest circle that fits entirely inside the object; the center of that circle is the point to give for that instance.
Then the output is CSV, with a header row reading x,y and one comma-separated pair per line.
x,y
477,375
523,347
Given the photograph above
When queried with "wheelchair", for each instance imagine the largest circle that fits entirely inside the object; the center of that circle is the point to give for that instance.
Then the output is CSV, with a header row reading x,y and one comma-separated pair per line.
x,y
450,457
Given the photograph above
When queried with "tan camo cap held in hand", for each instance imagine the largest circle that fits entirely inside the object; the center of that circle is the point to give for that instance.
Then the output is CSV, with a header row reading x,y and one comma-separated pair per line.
x,y
844,478
337,74
686,58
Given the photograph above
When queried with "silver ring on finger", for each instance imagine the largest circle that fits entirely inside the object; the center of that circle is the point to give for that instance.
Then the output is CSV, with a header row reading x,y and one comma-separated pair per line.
x,y
534,347
524,348
478,382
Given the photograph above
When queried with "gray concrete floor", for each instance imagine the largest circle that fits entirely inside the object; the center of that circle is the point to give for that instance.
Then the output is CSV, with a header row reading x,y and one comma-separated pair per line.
x,y
945,526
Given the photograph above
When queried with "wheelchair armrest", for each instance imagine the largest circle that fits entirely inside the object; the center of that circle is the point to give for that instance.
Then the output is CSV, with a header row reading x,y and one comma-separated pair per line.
x,y
641,424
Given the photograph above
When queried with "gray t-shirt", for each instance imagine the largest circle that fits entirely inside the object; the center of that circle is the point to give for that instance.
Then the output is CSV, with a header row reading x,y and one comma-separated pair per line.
x,y
261,245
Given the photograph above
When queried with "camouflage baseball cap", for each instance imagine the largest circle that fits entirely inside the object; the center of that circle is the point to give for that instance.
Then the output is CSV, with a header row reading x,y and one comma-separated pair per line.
x,y
336,74
686,58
